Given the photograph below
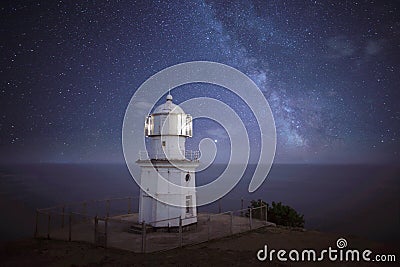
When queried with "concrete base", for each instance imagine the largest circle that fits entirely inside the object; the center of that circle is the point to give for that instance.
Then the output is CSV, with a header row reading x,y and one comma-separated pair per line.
x,y
118,233
175,229
137,228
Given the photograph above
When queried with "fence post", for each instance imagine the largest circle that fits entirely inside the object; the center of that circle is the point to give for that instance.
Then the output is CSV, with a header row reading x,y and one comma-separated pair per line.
x,y
180,232
84,211
129,205
250,218
48,225
241,210
97,206
96,223
69,226
108,208
231,222
208,227
143,237
36,223
266,213
62,222
105,232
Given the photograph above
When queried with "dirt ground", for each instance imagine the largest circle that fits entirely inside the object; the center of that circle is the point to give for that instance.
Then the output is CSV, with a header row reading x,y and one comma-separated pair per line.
x,y
237,250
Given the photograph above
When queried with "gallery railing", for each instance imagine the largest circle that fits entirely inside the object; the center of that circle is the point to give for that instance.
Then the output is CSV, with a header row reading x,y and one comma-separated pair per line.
x,y
192,155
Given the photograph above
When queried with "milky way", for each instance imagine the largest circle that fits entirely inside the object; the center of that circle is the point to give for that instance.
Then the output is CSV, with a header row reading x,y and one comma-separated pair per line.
x,y
328,70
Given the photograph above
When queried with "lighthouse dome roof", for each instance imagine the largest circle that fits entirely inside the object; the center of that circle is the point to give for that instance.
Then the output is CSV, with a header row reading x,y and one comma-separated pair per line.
x,y
168,107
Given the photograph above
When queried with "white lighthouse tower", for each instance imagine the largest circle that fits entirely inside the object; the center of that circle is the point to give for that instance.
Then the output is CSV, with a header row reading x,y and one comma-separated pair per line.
x,y
165,162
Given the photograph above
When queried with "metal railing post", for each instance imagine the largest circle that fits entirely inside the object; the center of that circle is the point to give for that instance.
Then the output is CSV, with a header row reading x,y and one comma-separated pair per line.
x,y
143,237
62,219
208,227
108,208
180,232
250,218
105,232
241,210
36,224
48,225
266,213
70,226
96,224
231,222
84,211
96,203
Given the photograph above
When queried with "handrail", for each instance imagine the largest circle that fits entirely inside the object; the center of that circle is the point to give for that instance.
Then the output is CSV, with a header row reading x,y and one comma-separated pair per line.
x,y
192,155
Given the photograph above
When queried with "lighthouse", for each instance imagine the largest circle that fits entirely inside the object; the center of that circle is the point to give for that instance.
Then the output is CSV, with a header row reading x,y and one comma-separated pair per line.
x,y
167,163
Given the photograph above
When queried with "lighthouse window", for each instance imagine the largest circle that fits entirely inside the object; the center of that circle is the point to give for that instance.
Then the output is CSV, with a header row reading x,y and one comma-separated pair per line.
x,y
163,143
187,177
179,124
188,125
189,208
149,126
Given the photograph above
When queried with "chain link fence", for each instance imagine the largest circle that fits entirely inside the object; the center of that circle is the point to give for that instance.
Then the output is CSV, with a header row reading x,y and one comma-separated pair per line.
x,y
114,223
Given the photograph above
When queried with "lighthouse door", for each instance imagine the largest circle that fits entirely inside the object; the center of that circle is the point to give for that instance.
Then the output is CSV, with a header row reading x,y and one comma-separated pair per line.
x,y
189,208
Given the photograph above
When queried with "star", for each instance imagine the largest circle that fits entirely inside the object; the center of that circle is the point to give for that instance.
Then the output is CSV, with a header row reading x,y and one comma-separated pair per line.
x,y
328,72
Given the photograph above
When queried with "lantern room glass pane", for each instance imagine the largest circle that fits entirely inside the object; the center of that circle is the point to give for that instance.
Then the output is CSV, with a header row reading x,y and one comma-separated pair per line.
x,y
179,124
149,126
188,126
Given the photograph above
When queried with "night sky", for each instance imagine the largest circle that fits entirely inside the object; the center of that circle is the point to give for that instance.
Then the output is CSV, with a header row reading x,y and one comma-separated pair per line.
x,y
329,70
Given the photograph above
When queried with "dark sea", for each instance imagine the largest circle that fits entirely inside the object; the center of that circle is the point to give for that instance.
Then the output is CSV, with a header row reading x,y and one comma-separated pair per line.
x,y
358,200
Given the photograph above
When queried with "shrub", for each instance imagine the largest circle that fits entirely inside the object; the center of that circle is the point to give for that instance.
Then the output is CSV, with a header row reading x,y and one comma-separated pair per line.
x,y
259,209
277,213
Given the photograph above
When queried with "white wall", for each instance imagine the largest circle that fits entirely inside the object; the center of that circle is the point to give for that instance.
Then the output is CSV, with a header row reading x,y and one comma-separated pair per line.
x,y
153,210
